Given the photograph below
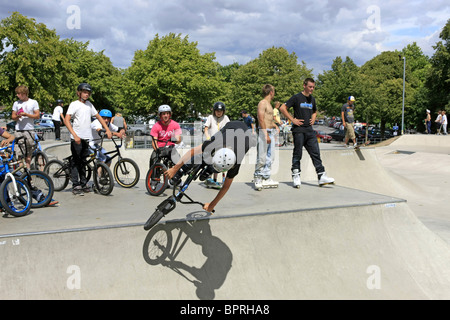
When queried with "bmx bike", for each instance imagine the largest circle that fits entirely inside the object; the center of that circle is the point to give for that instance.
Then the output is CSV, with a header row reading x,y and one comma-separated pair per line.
x,y
155,180
193,171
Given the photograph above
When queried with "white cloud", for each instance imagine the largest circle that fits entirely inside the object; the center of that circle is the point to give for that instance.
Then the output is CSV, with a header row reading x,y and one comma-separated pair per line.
x,y
238,31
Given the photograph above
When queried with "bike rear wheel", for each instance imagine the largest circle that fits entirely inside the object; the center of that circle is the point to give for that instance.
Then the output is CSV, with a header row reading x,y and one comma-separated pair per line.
x,y
41,187
16,204
39,161
103,178
126,173
155,181
59,172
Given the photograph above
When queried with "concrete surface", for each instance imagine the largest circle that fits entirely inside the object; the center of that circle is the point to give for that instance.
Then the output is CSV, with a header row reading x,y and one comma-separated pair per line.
x,y
358,239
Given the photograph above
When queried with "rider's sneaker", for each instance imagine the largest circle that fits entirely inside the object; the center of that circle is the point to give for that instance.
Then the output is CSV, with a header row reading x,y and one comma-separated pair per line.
x,y
324,179
78,191
87,189
53,203
296,178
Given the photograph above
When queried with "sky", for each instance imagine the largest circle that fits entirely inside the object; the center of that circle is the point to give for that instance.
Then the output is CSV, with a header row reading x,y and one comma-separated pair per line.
x,y
238,30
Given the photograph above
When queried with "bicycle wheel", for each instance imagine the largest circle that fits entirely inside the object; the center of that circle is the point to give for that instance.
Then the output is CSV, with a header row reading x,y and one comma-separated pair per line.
x,y
40,159
41,187
18,204
155,181
59,172
126,172
103,178
157,245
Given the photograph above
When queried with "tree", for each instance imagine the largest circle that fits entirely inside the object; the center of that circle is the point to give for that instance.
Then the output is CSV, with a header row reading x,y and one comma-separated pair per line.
x,y
274,66
380,89
438,81
336,85
34,56
171,71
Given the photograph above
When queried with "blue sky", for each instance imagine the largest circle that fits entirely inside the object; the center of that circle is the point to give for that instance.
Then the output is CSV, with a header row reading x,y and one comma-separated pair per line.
x,y
238,31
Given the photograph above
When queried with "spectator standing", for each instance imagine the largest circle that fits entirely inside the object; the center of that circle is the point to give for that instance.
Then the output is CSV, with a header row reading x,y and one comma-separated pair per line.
x,y
58,118
248,120
119,121
348,119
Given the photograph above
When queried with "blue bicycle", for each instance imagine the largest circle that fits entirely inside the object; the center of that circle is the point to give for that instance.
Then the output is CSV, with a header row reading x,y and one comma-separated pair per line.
x,y
15,194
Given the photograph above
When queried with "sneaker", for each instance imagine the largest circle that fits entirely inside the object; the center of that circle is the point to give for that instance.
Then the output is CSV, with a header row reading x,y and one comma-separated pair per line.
x,y
53,202
296,178
355,145
78,191
87,189
324,179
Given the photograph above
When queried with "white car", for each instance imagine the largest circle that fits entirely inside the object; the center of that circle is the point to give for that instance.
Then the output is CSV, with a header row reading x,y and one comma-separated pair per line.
x,y
46,116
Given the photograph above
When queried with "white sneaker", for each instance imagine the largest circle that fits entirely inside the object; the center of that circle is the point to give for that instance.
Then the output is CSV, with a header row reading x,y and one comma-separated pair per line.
x,y
296,178
258,183
269,183
324,179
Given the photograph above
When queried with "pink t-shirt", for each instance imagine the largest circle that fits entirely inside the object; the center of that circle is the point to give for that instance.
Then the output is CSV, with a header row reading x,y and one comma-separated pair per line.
x,y
164,133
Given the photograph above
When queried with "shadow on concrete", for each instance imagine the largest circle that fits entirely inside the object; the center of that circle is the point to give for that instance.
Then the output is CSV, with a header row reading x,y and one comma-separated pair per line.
x,y
165,242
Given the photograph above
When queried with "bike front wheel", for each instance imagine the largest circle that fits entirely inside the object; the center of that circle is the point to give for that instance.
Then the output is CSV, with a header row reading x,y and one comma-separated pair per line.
x,y
126,173
103,178
59,172
155,181
154,219
41,187
18,204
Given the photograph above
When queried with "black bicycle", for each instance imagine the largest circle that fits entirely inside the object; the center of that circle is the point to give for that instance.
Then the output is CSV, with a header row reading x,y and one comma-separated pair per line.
x,y
193,171
155,180
60,171
126,171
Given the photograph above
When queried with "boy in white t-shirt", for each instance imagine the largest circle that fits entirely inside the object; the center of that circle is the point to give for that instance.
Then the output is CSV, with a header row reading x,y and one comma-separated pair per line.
x,y
96,126
213,124
81,112
24,112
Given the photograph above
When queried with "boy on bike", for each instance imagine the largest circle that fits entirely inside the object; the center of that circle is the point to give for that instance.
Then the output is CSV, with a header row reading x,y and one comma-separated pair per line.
x,y
96,127
168,133
81,111
224,151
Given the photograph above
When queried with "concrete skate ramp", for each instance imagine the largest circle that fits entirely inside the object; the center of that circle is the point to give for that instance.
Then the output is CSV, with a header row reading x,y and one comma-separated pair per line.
x,y
370,252
335,242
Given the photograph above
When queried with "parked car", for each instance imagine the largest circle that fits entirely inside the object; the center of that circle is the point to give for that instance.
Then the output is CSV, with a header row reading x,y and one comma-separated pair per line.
x,y
323,136
46,116
187,128
47,123
337,135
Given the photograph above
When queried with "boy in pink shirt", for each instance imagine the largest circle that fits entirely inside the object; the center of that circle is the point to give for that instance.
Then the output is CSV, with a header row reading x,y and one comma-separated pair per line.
x,y
168,133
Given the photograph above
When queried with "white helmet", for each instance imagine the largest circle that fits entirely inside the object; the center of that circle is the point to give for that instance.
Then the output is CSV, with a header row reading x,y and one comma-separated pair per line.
x,y
223,160
164,108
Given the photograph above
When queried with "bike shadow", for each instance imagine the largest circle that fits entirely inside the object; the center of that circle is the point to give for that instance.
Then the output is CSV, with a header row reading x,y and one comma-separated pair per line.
x,y
165,242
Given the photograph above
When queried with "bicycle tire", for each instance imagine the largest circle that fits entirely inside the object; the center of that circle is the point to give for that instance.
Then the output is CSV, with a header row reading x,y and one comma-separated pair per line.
x,y
42,182
40,160
157,245
154,219
59,172
17,206
155,181
103,178
126,172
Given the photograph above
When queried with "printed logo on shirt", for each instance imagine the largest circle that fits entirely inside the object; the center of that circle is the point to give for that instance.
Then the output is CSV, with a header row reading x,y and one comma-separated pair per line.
x,y
305,105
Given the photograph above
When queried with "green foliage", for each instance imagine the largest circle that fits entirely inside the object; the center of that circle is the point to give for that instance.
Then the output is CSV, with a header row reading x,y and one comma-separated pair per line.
x,y
335,86
275,66
171,71
34,56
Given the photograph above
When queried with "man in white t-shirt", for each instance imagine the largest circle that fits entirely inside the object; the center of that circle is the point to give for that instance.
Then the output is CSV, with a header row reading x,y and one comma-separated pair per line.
x,y
57,117
81,112
24,112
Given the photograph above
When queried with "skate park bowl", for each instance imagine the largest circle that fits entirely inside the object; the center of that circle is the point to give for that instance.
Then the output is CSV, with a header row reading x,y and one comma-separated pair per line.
x,y
357,239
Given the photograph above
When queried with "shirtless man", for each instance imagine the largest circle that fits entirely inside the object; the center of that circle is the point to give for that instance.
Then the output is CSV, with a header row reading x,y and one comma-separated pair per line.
x,y
266,140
